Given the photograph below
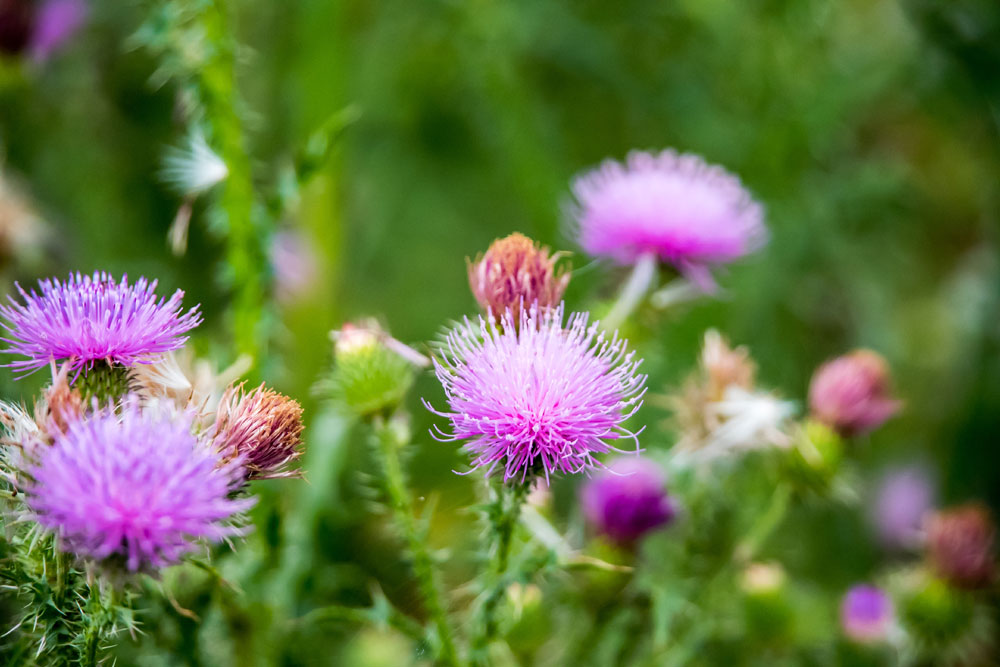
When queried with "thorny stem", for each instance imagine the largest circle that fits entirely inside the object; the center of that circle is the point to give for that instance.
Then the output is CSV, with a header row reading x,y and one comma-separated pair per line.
x,y
638,284
388,441
503,514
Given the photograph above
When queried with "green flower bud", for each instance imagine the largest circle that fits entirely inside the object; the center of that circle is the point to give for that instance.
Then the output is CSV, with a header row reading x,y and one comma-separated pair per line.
x,y
369,376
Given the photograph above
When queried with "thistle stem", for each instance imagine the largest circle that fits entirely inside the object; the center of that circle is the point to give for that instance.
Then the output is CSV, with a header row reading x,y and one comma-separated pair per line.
x,y
389,440
638,284
765,525
504,514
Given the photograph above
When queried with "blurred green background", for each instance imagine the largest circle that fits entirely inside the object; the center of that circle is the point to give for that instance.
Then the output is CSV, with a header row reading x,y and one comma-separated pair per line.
x,y
868,128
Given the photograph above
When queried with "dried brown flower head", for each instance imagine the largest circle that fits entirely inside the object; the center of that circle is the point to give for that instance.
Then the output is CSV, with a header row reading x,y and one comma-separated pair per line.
x,y
261,426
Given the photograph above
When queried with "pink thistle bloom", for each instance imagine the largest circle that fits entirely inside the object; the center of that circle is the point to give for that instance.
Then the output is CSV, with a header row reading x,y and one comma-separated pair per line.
x,y
92,318
56,22
137,485
866,614
538,398
851,393
627,500
676,206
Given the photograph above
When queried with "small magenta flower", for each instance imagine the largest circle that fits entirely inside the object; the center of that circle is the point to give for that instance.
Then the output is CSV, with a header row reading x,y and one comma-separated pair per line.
x,y
676,206
539,398
513,274
904,497
56,22
134,485
866,614
262,428
627,500
851,393
87,319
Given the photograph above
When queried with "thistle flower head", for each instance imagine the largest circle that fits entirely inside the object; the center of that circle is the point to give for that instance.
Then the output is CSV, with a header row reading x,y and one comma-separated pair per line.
x,y
960,545
134,485
851,393
539,398
260,427
866,614
690,214
627,500
903,498
92,318
513,274
56,22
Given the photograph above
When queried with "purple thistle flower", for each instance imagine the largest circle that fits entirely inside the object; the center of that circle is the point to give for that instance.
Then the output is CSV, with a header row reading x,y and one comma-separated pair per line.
x,y
134,484
904,497
627,500
866,613
540,397
55,23
688,213
92,318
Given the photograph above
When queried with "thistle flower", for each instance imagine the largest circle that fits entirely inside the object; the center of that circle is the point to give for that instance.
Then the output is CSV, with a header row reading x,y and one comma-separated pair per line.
x,y
56,22
193,168
87,319
866,614
541,398
851,393
960,545
676,206
134,485
627,500
515,273
903,498
262,428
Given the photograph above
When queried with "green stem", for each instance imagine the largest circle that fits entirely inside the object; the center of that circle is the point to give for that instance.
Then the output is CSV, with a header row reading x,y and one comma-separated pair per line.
x,y
766,524
504,514
244,243
389,440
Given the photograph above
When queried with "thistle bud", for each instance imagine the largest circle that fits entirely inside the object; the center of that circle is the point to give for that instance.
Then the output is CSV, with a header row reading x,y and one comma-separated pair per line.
x,y
866,614
63,404
513,274
262,427
960,545
851,393
372,371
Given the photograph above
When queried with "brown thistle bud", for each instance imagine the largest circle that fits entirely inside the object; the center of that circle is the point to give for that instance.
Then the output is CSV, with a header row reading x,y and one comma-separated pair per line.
x,y
515,273
960,545
261,426
63,404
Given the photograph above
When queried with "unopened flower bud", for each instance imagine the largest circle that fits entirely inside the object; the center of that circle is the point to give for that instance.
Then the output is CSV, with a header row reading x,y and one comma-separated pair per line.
x,y
851,393
866,614
513,274
63,404
262,427
372,371
960,545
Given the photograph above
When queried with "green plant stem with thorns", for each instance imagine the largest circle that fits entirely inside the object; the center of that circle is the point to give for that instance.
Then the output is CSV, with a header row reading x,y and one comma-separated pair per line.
x,y
389,439
504,513
238,201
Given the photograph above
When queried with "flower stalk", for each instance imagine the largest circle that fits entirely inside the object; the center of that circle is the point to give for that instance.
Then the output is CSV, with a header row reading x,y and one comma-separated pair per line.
x,y
389,438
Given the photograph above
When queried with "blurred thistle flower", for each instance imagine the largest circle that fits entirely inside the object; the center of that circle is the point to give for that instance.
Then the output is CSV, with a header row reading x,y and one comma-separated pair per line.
x,y
960,544
851,393
675,206
134,486
539,398
902,500
262,428
866,614
193,168
627,500
56,21
719,411
40,28
513,274
89,319
295,264
372,370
